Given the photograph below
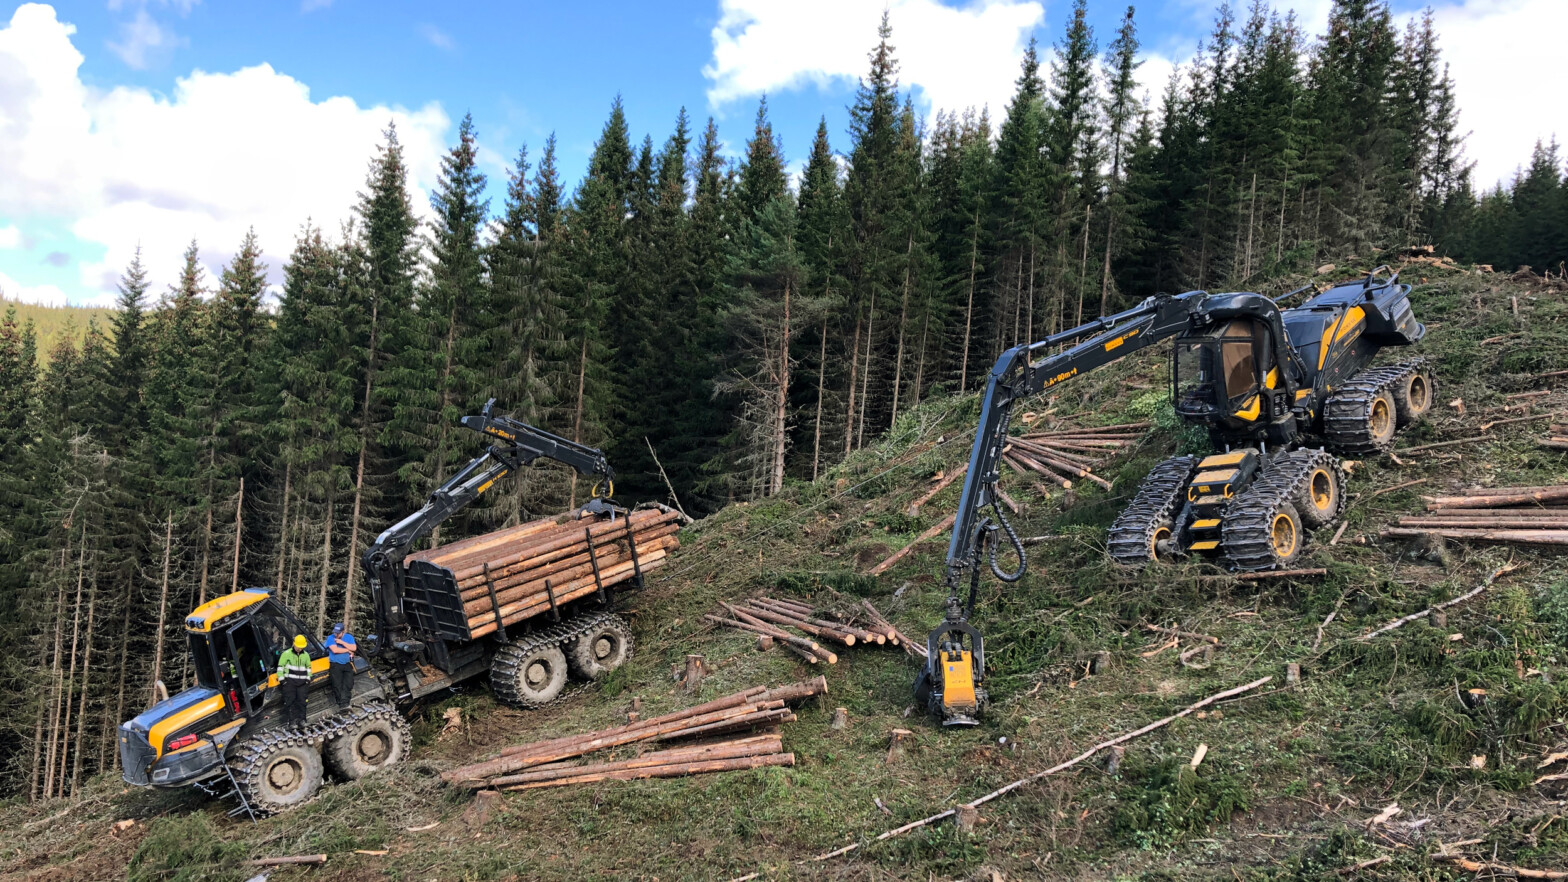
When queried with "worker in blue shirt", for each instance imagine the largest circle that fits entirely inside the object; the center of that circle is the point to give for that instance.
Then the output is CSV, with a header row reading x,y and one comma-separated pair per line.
x,y
341,648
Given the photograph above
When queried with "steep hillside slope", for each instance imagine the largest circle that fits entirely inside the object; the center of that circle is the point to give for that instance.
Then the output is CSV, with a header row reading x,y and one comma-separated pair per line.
x,y
1292,772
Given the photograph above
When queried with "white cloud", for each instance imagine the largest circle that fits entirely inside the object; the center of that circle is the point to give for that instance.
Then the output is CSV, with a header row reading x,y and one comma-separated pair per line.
x,y
143,40
42,295
221,153
437,37
10,236
1505,79
959,57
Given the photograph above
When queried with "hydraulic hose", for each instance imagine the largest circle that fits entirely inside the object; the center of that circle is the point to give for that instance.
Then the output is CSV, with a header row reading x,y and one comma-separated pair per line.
x,y
1018,548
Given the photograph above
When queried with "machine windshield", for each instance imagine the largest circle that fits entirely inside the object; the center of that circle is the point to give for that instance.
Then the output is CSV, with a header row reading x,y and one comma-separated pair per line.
x,y
201,660
1215,370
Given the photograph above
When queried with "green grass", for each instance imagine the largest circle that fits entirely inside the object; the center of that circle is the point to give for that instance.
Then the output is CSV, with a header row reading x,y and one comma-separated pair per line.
x,y
1289,777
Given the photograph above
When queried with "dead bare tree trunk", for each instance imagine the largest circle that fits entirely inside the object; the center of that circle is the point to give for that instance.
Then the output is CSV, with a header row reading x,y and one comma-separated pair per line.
x,y
865,378
239,529
969,308
119,702
63,733
577,420
903,319
87,681
1083,263
822,375
163,602
359,472
283,531
854,364
326,569
57,674
781,405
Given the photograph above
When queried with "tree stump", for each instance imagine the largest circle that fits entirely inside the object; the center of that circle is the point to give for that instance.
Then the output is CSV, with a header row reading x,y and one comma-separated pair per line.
x,y
1475,697
696,667
895,747
764,642
968,815
1293,674
1114,764
1100,662
1438,618
479,811
840,719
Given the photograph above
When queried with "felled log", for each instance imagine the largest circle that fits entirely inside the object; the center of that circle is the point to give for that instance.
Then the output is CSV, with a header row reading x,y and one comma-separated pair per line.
x,y
674,770
1525,537
573,590
288,860
860,634
900,554
1545,522
778,618
806,649
1501,497
914,507
753,746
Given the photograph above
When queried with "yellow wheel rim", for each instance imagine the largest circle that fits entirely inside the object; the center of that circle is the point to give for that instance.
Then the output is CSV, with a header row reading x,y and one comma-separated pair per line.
x,y
1283,535
1160,535
1322,490
1417,394
1382,423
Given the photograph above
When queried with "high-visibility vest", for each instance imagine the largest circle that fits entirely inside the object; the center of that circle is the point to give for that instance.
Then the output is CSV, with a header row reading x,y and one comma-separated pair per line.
x,y
294,666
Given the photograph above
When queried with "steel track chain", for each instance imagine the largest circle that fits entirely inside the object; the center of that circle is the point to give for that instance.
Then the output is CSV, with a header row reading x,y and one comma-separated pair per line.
x,y
248,754
1131,537
509,656
1347,413
1246,533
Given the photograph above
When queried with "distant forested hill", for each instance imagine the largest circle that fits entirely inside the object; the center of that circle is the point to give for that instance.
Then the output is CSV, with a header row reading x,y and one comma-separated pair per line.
x,y
52,324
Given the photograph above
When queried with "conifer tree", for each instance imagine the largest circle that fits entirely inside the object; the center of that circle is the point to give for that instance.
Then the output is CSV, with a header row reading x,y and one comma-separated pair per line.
x,y
822,231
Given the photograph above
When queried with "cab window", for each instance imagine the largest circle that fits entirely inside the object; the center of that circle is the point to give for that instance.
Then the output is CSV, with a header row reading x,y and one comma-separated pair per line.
x,y
202,661
1238,361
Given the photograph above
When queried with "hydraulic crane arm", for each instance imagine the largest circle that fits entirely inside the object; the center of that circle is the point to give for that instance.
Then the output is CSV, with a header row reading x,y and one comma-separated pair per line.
x,y
515,444
1016,375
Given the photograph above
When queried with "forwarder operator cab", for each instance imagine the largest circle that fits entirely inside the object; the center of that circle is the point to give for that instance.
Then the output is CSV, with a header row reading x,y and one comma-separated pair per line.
x,y
1219,374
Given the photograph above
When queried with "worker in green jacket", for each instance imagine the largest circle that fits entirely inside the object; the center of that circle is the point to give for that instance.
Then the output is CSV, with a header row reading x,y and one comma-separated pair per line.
x,y
294,677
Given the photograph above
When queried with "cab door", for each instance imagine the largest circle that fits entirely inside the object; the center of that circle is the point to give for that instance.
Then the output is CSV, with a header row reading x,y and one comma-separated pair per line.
x,y
1239,369
249,652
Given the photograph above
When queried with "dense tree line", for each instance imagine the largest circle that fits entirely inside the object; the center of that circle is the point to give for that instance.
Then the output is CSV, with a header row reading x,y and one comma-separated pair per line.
x,y
718,327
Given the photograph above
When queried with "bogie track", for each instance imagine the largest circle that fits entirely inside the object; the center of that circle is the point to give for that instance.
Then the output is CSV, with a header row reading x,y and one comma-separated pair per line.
x,y
1360,418
282,768
1135,535
531,671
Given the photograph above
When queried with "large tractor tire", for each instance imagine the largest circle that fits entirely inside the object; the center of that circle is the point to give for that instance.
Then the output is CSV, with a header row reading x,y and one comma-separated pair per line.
x,y
1414,395
605,646
530,673
277,771
378,738
1319,495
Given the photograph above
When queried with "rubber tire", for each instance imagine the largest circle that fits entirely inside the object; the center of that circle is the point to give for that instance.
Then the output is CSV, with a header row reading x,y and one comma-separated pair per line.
x,y
1306,507
350,764
1387,398
1407,406
586,662
519,692
267,798
1285,508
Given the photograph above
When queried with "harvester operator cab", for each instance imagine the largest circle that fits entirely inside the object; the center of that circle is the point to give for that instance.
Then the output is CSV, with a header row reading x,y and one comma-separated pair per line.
x,y
1220,374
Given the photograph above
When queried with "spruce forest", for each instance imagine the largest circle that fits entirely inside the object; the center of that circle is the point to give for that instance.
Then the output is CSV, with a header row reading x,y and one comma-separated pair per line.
x,y
717,326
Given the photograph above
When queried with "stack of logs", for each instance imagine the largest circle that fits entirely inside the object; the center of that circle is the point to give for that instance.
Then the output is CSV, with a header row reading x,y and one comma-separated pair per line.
x,y
747,720
515,574
1557,437
767,617
1525,515
1063,455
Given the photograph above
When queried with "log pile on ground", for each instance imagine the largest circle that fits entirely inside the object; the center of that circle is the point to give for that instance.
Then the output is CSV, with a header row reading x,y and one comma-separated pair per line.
x,y
518,573
738,731
769,616
1557,437
1522,515
1062,456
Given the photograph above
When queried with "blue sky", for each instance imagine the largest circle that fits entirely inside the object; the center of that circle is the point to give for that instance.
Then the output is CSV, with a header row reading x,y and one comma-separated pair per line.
x,y
152,122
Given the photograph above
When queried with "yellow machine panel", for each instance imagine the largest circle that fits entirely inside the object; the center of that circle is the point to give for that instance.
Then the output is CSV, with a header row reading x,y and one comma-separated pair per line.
x,y
958,681
204,617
